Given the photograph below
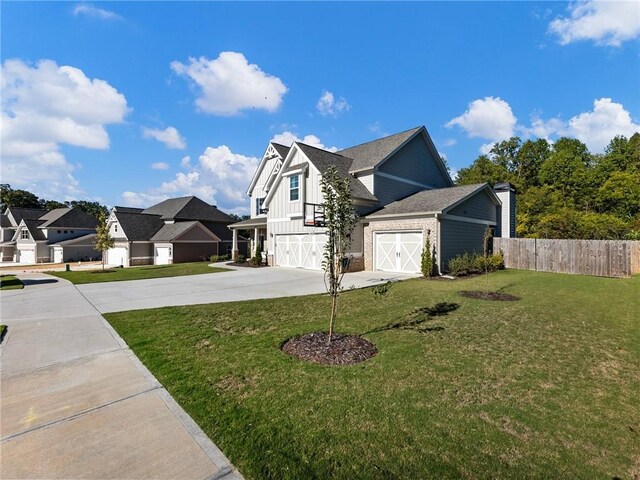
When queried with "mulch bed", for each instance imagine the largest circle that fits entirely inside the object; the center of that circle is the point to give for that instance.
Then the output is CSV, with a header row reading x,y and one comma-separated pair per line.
x,y
496,296
246,264
343,349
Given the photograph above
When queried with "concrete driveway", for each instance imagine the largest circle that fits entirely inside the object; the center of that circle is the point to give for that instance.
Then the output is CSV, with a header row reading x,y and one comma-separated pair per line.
x,y
239,284
77,403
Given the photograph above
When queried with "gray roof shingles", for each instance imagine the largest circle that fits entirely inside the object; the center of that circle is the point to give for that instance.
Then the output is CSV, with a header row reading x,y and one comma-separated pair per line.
x,y
172,230
68,218
36,233
323,159
368,155
187,208
26,213
281,149
435,200
138,227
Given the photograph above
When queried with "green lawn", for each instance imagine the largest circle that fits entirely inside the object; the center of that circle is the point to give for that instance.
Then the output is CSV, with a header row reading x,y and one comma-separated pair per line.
x,y
547,387
138,273
10,282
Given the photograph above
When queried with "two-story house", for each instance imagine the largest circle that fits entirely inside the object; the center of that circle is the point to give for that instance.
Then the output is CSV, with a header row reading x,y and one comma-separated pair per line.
x,y
9,222
60,235
177,230
401,189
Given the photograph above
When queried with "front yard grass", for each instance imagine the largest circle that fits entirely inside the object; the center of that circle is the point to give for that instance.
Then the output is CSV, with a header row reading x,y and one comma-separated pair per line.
x,y
10,282
137,273
546,387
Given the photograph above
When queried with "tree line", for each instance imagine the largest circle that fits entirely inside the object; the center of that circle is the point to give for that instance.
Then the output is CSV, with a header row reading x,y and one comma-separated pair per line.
x,y
563,190
10,197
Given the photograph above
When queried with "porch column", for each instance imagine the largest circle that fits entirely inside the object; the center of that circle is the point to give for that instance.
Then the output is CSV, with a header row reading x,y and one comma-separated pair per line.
x,y
255,241
234,246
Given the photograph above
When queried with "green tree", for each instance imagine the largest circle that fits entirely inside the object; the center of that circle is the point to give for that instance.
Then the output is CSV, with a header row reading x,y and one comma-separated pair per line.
x,y
92,208
620,195
52,204
529,159
340,219
17,198
483,169
104,241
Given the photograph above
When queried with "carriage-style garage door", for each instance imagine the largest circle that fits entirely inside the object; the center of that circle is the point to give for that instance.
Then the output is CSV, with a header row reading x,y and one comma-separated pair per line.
x,y
398,252
300,250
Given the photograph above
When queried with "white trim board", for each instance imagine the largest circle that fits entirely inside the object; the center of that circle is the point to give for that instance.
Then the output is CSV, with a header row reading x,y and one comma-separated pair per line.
x,y
446,216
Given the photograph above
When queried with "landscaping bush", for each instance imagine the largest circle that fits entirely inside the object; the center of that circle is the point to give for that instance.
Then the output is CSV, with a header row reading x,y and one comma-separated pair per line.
x,y
427,260
257,258
469,263
241,258
218,258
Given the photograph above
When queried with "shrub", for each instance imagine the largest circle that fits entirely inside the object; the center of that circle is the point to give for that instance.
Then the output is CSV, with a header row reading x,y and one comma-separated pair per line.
x,y
427,260
257,259
241,258
218,258
381,290
474,263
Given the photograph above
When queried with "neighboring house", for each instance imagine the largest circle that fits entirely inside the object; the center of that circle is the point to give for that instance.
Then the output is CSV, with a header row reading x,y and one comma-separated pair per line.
x,y
401,190
176,230
60,235
9,222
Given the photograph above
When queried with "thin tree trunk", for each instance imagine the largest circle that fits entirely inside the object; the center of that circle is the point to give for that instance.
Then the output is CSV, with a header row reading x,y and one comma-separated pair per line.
x,y
334,305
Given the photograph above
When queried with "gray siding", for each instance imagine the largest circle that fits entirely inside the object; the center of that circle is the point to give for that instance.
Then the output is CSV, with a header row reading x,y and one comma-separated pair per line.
x,y
415,162
457,238
479,206
389,190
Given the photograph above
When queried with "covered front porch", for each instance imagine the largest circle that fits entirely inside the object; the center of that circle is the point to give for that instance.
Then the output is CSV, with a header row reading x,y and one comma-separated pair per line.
x,y
256,230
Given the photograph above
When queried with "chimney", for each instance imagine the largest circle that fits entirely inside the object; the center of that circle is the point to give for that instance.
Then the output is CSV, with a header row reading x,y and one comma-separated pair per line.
x,y
506,214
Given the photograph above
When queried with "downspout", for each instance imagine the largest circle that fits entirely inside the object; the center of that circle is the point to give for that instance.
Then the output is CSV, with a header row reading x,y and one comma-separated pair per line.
x,y
437,217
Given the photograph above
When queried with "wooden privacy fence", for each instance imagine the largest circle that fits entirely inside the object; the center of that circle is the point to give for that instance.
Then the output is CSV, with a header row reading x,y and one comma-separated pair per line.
x,y
602,258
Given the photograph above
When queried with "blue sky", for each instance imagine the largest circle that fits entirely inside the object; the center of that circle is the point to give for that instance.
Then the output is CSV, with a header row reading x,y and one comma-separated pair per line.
x,y
129,103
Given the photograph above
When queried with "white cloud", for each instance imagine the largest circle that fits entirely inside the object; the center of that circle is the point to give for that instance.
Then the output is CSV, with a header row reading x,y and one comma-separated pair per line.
x,y
489,117
287,138
328,105
485,148
169,136
230,84
43,107
95,12
160,166
220,177
598,127
605,22
544,128
449,142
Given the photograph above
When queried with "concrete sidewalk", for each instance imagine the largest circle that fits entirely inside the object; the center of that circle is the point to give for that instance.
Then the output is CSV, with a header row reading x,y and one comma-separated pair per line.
x,y
77,403
241,284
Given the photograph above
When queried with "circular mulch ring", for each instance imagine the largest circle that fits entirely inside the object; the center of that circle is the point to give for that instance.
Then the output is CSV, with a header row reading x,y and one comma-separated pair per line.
x,y
343,349
496,296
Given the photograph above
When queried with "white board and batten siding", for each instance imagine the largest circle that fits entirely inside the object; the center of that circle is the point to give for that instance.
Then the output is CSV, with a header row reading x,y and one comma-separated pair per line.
x,y
286,218
398,251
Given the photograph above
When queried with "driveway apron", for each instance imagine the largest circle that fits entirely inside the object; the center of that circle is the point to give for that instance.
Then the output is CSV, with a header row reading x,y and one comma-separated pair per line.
x,y
76,402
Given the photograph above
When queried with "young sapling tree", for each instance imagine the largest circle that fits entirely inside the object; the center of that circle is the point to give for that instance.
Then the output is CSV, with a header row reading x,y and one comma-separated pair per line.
x,y
340,219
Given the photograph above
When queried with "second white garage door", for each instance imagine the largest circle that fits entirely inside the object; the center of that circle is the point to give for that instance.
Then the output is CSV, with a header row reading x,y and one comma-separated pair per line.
x,y
300,250
398,252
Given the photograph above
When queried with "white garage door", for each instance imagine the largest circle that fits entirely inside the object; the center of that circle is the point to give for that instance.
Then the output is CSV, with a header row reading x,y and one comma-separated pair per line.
x,y
117,256
398,252
27,256
163,255
300,250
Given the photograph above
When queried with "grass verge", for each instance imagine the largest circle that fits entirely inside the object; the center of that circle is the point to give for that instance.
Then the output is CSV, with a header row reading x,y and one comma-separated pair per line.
x,y
546,387
10,282
138,273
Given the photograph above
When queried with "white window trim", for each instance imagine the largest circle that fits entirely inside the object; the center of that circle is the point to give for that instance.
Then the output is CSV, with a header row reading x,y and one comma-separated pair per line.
x,y
296,188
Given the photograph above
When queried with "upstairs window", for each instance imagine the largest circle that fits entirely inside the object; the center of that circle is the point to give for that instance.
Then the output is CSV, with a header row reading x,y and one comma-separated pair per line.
x,y
294,188
259,209
25,234
115,227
